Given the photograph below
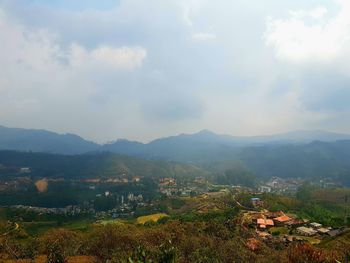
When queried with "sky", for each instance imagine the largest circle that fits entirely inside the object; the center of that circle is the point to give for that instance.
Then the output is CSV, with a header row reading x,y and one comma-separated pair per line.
x,y
143,69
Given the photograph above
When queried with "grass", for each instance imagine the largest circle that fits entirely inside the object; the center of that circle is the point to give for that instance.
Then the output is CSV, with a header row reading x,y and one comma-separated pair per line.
x,y
38,228
43,259
111,221
279,230
155,217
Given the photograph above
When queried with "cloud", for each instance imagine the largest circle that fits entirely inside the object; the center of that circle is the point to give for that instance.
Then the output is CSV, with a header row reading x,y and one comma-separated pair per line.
x,y
127,58
142,69
203,36
298,39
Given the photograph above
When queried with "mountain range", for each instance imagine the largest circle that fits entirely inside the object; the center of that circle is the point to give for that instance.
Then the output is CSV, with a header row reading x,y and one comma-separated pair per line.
x,y
184,147
301,154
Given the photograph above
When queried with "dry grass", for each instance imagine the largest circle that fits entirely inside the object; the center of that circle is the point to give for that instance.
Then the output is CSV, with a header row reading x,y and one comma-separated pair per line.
x,y
42,259
155,217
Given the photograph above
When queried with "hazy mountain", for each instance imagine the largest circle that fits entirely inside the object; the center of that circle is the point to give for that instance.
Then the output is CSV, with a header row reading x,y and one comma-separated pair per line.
x,y
198,147
208,146
184,147
302,136
316,159
43,141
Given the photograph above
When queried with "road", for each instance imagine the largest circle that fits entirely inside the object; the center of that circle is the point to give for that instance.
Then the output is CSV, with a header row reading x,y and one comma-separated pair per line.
x,y
15,228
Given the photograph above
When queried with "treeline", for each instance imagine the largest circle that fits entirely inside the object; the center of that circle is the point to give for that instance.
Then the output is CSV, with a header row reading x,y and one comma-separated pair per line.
x,y
95,165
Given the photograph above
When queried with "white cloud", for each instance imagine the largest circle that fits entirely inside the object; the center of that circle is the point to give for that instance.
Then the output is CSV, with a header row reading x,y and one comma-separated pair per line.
x,y
44,84
90,69
127,58
191,9
203,36
298,40
316,13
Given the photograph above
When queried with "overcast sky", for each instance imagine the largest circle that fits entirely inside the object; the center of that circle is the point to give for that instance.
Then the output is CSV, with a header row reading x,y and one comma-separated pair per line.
x,y
142,69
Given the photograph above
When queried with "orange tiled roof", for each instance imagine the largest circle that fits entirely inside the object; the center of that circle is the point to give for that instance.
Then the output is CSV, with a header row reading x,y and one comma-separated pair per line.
x,y
267,222
283,218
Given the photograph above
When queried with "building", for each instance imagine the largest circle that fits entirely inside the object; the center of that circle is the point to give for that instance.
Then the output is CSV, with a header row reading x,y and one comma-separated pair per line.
x,y
265,223
282,220
167,182
306,231
24,170
265,189
136,179
315,225
295,223
323,230
334,232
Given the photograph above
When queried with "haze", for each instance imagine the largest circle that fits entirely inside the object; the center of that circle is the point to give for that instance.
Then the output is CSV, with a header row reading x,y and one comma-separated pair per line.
x,y
143,69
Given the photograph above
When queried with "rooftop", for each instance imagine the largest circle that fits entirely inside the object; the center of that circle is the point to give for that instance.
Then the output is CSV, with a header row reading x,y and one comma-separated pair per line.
x,y
266,222
283,219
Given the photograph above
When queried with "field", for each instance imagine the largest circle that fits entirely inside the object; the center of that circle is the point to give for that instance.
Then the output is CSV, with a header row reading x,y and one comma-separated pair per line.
x,y
155,217
38,228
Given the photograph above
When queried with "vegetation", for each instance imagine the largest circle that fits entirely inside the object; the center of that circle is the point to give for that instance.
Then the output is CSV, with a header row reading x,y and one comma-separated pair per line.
x,y
93,166
150,218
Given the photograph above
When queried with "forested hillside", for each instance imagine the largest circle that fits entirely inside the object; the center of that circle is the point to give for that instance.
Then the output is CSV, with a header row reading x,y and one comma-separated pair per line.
x,y
94,165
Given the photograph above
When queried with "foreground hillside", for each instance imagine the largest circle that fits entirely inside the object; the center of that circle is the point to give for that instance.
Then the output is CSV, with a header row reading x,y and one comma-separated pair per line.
x,y
206,228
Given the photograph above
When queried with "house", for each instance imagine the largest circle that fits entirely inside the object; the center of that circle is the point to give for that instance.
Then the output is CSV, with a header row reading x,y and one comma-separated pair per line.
x,y
323,230
136,179
167,182
265,189
315,225
334,232
306,231
281,220
295,223
24,170
265,223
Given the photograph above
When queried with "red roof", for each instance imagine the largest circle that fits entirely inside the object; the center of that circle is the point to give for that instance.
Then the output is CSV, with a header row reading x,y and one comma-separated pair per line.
x,y
267,222
283,218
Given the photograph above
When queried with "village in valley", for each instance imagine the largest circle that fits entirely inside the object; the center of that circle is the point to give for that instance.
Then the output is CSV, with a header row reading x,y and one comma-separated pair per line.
x,y
123,197
284,227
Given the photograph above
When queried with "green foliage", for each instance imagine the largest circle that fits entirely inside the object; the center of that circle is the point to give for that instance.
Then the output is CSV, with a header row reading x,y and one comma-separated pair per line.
x,y
141,255
167,253
55,254
237,175
177,203
304,192
95,165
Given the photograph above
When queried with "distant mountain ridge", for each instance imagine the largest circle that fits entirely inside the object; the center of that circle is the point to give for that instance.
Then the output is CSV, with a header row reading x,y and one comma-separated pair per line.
x,y
207,146
201,146
43,141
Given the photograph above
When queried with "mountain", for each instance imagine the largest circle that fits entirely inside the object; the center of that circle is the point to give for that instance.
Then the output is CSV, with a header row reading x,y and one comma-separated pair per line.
x,y
313,160
297,137
43,141
199,147
207,146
